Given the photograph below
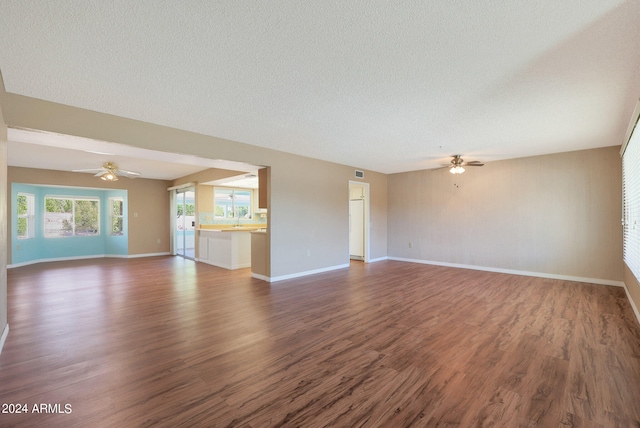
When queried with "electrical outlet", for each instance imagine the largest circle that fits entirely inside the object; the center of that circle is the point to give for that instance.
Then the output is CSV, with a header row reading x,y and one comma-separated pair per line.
x,y
308,252
410,244
158,241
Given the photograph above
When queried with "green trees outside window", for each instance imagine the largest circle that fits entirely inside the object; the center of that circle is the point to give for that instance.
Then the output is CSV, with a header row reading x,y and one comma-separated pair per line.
x,y
25,204
71,217
116,216
190,209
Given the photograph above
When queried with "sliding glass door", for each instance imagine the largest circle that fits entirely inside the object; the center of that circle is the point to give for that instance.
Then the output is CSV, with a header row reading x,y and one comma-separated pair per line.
x,y
185,223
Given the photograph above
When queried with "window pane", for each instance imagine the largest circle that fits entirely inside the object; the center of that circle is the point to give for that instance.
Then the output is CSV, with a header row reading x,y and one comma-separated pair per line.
x,y
58,217
86,217
23,230
115,217
223,200
116,226
25,208
242,200
68,217
631,202
117,207
22,205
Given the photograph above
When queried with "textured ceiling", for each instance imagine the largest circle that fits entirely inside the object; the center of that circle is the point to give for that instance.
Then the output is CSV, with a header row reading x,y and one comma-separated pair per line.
x,y
387,86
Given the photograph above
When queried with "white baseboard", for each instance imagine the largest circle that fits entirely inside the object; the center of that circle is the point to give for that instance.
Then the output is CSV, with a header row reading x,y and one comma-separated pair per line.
x,y
3,338
55,259
96,256
515,272
305,273
633,305
379,259
261,277
135,256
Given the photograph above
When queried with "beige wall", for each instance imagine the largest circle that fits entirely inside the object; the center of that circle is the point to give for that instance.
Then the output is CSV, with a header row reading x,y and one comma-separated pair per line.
x,y
4,218
308,207
378,213
204,198
149,199
309,214
555,214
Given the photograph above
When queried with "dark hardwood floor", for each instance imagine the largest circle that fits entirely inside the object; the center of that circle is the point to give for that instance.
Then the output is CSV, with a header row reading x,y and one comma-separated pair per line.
x,y
170,342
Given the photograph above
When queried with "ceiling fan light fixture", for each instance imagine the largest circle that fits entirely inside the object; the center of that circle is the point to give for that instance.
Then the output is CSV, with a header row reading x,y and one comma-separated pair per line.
x,y
457,165
109,172
109,176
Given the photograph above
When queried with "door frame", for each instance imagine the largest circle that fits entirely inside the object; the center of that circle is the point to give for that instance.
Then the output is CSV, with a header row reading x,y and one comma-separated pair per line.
x,y
367,216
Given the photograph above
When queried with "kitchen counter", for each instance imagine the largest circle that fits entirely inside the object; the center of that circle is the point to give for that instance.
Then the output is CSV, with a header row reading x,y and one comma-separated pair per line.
x,y
240,229
231,228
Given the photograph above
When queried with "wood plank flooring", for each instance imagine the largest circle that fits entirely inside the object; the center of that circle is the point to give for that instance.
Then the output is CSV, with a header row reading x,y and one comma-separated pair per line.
x,y
169,342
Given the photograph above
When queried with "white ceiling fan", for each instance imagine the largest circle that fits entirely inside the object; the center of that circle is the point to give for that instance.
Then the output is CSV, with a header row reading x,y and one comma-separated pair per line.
x,y
110,172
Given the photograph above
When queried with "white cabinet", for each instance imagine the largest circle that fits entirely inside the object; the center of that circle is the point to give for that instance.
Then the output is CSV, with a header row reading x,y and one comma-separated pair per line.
x,y
225,249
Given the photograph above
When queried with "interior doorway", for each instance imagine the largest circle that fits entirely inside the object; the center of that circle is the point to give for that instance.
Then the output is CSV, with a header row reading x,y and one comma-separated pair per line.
x,y
359,221
184,231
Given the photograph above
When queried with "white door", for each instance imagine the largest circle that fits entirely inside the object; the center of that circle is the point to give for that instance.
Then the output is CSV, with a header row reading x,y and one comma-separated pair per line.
x,y
356,229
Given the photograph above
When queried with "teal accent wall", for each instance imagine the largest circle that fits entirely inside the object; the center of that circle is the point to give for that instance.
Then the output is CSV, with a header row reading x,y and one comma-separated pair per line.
x,y
41,248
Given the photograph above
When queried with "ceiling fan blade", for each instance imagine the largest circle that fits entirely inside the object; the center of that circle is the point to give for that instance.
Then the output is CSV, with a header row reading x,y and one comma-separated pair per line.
x,y
88,170
132,173
128,174
111,169
457,165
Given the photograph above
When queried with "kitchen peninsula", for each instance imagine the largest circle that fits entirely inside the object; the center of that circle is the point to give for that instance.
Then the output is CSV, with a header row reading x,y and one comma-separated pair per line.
x,y
228,248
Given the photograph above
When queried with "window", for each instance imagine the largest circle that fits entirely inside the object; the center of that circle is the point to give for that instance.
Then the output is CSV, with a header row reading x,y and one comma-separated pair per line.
x,y
116,213
25,215
232,203
67,216
631,202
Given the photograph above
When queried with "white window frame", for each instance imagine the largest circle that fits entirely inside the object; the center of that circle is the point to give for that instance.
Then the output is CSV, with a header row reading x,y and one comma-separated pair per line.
x,y
29,215
113,215
74,199
631,196
233,190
